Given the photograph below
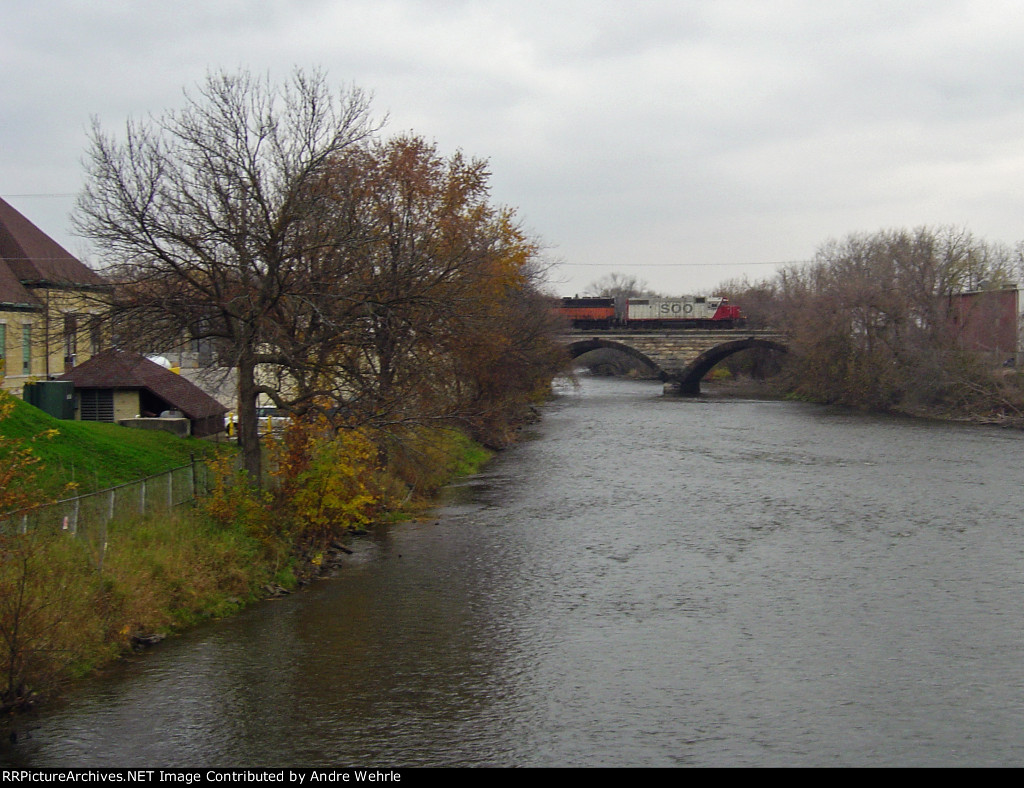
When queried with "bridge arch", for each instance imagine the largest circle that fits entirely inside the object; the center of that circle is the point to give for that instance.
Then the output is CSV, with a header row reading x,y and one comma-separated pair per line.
x,y
687,382
679,358
577,349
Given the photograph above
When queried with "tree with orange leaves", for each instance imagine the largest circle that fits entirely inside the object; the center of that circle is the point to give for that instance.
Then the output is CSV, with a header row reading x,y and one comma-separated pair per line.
x,y
434,293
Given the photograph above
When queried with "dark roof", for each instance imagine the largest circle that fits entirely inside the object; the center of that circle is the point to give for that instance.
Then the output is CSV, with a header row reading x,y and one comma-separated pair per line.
x,y
119,369
28,256
12,293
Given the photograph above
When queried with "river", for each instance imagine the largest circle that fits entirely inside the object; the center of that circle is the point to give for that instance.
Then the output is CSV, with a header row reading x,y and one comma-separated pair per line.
x,y
643,582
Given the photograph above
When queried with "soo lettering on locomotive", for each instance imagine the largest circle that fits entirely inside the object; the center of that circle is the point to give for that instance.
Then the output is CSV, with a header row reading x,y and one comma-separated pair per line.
x,y
645,313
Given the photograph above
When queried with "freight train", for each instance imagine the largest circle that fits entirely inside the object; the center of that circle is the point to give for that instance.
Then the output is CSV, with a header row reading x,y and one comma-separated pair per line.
x,y
643,313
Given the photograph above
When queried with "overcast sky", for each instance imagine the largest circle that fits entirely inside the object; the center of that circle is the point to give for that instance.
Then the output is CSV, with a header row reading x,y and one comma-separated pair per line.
x,y
684,142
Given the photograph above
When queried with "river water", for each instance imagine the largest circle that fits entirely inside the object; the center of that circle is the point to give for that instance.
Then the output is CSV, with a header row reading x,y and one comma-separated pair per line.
x,y
645,582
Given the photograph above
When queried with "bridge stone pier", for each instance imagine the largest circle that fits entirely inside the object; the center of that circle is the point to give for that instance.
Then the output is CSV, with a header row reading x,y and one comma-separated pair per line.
x,y
681,358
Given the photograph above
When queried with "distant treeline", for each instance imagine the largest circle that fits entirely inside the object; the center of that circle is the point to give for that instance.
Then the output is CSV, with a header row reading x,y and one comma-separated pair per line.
x,y
876,321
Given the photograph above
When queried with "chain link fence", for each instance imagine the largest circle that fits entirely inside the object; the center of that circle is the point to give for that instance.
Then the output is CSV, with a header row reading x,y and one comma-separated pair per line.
x,y
88,516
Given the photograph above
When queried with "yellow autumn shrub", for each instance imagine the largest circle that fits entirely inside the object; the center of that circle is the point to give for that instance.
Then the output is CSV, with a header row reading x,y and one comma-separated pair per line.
x,y
326,480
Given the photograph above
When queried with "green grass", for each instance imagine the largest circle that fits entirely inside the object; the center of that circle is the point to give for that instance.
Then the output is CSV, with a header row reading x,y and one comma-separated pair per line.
x,y
98,455
470,457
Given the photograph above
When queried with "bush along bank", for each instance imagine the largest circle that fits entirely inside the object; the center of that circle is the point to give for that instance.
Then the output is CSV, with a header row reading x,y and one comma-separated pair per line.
x,y
62,615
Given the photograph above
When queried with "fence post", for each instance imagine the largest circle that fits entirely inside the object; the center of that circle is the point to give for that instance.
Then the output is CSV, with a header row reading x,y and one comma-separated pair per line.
x,y
142,498
103,546
74,516
170,491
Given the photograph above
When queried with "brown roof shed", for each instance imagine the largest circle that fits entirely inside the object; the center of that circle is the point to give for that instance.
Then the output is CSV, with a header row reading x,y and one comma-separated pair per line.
x,y
119,369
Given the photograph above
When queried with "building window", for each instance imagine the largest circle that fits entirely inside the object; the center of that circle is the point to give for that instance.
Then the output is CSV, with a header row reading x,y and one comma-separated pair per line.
x,y
70,339
26,349
95,337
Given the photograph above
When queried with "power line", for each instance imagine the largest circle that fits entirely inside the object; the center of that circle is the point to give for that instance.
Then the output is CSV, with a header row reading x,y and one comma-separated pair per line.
x,y
683,265
569,265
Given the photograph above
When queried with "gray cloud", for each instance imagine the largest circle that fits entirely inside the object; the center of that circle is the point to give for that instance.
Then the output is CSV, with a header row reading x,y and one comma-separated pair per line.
x,y
690,139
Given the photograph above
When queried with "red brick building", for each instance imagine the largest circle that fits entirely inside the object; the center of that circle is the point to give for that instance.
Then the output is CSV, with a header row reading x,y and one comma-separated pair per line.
x,y
991,321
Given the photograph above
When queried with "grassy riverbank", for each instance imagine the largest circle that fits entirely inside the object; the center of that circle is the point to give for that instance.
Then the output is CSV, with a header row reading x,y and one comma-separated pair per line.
x,y
64,612
92,455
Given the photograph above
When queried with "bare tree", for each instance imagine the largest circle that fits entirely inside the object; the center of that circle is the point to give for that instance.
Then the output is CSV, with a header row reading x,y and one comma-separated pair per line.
x,y
616,285
875,319
203,216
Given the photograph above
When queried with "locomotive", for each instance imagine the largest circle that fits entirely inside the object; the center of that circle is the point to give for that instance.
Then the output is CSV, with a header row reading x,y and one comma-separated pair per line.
x,y
651,312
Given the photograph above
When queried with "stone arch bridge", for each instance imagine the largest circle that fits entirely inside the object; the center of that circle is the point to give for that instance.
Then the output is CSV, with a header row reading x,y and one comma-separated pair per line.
x,y
681,358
